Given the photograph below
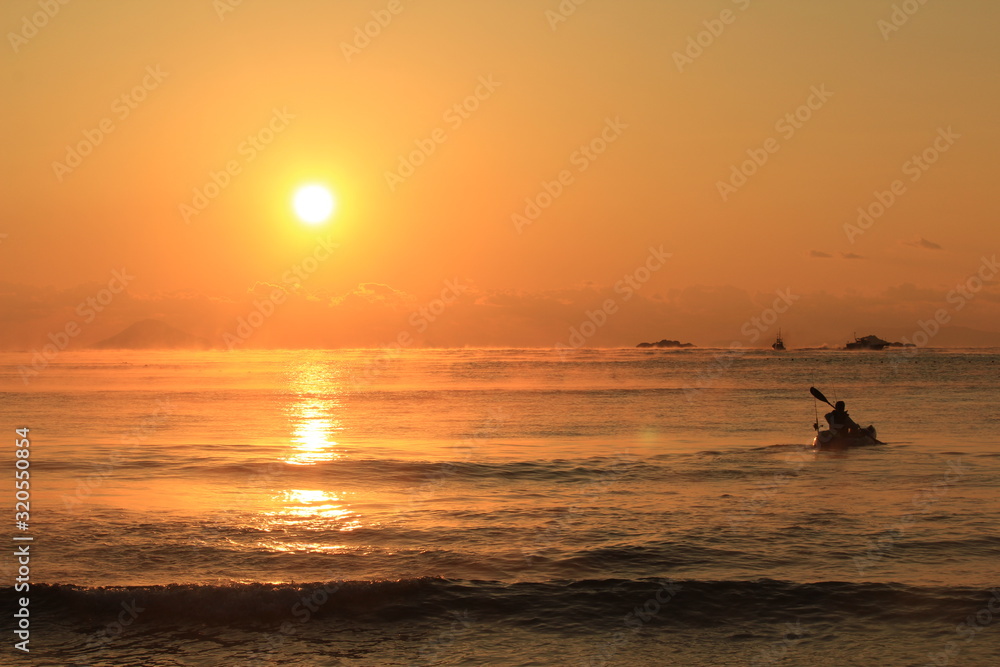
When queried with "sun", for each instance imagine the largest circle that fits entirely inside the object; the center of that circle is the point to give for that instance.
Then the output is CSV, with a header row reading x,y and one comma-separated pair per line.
x,y
313,204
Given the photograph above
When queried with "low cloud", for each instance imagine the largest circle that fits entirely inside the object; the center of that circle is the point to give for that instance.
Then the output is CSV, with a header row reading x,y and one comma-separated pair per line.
x,y
374,314
923,243
375,293
819,254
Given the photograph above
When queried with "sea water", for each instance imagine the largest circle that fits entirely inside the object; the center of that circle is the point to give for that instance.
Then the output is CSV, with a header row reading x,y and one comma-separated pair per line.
x,y
505,507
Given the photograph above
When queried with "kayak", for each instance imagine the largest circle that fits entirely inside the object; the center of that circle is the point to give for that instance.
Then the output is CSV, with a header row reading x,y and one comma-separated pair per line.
x,y
828,440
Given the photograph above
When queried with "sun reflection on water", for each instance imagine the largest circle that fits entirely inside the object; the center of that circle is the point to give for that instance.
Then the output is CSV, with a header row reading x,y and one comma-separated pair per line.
x,y
310,510
322,507
313,415
314,424
311,436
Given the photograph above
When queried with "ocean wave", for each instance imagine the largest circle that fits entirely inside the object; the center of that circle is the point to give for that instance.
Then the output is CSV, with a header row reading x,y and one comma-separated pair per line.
x,y
601,471
395,470
562,604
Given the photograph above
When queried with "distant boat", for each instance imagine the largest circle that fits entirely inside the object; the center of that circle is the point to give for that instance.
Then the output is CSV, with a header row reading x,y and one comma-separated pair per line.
x,y
867,343
779,344
872,342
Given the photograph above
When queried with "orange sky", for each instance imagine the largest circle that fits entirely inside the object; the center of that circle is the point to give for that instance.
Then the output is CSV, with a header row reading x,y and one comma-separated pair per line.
x,y
162,94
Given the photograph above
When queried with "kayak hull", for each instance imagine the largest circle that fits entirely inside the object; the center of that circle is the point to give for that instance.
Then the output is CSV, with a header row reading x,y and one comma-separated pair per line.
x,y
828,440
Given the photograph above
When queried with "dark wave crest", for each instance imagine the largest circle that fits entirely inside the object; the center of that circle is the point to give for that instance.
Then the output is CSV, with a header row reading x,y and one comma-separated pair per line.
x,y
558,605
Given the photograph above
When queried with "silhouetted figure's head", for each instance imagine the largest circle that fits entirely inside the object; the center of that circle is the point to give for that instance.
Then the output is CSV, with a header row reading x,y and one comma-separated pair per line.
x,y
839,406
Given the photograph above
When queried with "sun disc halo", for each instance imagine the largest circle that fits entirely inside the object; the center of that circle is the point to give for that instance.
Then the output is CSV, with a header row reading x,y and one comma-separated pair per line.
x,y
313,204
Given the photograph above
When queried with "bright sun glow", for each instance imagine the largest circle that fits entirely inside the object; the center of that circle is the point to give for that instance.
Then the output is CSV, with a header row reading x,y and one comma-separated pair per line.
x,y
313,204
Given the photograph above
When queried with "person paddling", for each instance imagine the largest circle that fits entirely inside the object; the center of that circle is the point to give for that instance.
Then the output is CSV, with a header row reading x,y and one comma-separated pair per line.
x,y
840,422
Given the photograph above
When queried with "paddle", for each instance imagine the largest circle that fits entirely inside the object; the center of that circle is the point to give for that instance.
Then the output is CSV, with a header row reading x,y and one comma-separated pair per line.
x,y
819,395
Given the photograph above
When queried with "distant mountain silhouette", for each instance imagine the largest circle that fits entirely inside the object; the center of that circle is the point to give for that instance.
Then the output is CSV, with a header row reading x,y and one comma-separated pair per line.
x,y
152,335
666,343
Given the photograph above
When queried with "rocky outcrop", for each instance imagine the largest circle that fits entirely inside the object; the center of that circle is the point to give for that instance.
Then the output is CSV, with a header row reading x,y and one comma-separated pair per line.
x,y
667,343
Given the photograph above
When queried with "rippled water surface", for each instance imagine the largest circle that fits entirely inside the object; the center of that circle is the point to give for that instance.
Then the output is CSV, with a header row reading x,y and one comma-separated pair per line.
x,y
510,507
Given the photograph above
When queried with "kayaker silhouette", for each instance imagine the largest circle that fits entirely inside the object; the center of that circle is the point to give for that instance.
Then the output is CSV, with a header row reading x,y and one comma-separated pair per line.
x,y
843,432
840,422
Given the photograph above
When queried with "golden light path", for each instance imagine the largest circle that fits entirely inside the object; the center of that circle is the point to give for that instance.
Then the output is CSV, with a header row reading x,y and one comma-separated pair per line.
x,y
312,414
311,435
313,428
